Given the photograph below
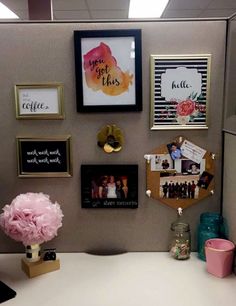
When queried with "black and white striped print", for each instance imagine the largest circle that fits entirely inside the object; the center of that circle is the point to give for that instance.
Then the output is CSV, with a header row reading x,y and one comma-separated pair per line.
x,y
164,112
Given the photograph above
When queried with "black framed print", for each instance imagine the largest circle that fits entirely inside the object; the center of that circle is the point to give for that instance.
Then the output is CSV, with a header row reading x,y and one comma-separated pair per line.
x,y
44,156
109,186
108,70
180,87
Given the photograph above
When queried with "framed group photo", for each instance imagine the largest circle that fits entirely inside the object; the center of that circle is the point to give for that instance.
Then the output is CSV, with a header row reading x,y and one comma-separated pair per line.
x,y
39,101
108,70
180,91
109,186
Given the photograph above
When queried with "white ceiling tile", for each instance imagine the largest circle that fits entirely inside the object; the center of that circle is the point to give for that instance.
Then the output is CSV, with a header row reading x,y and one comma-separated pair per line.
x,y
71,15
65,5
222,4
108,4
187,4
217,13
118,9
181,13
16,4
114,14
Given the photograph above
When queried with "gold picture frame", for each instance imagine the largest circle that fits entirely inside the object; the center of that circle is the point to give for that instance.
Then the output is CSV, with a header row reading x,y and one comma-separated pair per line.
x,y
180,86
39,101
44,156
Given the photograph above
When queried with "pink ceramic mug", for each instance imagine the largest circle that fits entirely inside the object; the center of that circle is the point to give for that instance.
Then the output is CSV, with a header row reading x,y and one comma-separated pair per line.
x,y
219,256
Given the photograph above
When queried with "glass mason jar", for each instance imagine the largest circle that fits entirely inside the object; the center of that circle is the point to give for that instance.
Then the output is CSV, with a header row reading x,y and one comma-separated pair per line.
x,y
211,226
180,247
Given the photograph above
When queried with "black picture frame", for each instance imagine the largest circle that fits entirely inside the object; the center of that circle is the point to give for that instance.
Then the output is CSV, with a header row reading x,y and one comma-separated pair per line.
x,y
113,93
44,156
120,192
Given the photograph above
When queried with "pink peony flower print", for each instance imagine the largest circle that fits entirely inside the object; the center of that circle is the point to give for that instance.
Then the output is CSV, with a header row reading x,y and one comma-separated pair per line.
x,y
185,108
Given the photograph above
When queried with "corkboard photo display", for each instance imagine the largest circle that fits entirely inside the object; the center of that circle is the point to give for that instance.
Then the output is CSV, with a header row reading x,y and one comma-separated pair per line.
x,y
180,173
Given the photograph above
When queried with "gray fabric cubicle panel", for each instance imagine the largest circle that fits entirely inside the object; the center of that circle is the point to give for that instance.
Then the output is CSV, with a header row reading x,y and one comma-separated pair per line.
x,y
34,53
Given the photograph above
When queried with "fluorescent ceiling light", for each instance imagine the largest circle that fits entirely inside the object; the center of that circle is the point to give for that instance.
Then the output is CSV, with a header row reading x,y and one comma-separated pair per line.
x,y
146,8
6,13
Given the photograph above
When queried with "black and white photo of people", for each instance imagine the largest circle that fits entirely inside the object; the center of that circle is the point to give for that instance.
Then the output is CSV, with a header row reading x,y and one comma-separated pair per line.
x,y
109,187
189,167
193,169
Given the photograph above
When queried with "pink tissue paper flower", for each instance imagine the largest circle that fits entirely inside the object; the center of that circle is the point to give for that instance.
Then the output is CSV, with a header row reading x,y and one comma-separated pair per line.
x,y
31,218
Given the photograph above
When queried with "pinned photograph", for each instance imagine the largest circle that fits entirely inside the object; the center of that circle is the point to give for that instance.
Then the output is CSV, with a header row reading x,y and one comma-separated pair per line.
x,y
175,186
160,162
189,167
205,180
174,150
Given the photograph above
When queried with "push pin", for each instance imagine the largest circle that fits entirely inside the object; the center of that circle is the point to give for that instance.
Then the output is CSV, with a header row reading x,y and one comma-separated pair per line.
x,y
148,193
180,211
213,156
212,192
147,157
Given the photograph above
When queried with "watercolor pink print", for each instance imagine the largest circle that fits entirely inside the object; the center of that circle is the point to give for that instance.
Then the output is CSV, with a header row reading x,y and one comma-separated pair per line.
x,y
103,73
108,70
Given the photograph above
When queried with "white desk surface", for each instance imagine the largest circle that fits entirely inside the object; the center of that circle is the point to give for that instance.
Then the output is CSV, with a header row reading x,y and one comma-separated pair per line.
x,y
131,279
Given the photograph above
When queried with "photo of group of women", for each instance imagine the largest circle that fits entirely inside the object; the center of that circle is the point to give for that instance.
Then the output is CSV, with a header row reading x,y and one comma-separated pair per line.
x,y
109,187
